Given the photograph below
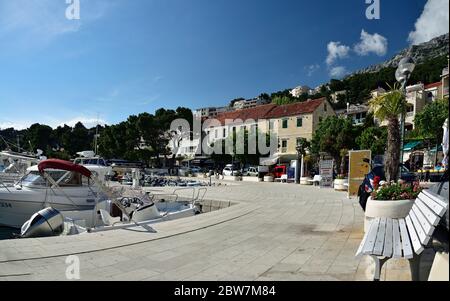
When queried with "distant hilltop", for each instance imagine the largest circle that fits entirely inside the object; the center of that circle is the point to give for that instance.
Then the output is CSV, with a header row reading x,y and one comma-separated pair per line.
x,y
420,53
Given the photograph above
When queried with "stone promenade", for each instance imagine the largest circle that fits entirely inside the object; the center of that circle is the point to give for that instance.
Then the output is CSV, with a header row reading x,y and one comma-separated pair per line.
x,y
274,232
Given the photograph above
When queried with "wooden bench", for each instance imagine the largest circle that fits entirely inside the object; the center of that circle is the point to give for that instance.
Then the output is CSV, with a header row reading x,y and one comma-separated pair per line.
x,y
406,237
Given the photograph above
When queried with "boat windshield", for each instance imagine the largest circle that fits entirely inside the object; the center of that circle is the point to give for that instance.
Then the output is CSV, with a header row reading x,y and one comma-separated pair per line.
x,y
61,177
92,161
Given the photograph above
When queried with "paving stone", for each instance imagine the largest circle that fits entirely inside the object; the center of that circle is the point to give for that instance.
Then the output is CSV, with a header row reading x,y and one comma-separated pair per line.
x,y
273,232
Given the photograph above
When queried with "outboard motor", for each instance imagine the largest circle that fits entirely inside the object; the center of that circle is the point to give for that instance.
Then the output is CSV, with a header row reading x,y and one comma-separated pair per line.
x,y
145,213
47,222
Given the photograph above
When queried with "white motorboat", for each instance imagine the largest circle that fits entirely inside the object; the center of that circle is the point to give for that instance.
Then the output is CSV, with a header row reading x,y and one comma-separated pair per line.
x,y
95,164
15,165
59,184
121,213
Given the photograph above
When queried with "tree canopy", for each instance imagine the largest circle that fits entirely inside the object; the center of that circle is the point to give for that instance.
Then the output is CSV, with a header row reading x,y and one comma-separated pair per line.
x,y
430,120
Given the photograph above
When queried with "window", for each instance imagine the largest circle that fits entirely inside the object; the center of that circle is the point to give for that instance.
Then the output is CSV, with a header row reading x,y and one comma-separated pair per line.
x,y
298,141
224,133
217,134
325,108
285,123
299,122
284,144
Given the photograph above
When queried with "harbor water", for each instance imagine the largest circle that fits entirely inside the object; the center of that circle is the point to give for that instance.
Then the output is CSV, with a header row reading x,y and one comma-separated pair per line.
x,y
7,233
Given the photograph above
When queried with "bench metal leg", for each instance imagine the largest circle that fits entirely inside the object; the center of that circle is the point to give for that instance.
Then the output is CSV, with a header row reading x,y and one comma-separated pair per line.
x,y
414,266
378,266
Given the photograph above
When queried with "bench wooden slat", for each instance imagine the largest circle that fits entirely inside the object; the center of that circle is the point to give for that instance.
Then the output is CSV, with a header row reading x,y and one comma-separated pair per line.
x,y
426,225
363,242
379,242
437,198
438,209
418,248
429,214
423,237
387,251
396,239
406,244
371,237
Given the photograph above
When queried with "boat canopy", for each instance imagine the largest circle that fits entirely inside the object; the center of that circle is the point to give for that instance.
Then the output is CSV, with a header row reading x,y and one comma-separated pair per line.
x,y
63,165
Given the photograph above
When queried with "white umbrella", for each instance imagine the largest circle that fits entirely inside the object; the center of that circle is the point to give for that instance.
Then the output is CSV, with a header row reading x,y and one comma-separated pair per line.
x,y
445,144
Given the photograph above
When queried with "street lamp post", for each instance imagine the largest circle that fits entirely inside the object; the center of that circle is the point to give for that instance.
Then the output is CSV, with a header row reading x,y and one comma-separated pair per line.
x,y
403,73
299,158
232,163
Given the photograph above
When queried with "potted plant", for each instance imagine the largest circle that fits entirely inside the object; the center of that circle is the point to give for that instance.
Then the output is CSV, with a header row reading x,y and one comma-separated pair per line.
x,y
392,200
269,177
340,183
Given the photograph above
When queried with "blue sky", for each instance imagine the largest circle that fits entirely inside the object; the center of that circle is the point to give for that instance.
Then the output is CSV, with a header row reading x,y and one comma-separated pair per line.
x,y
129,56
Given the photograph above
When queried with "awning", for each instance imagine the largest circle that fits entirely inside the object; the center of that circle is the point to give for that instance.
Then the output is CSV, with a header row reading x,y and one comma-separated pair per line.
x,y
63,165
433,150
269,161
411,145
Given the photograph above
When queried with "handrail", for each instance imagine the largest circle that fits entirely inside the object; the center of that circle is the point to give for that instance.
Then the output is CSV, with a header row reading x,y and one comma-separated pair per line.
x,y
205,190
5,186
186,188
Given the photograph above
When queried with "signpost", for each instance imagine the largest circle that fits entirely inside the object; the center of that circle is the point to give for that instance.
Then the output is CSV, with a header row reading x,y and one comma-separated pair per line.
x,y
360,166
326,172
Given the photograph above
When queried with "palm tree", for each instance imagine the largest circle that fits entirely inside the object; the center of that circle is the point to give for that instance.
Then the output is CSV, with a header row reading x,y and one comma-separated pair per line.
x,y
389,107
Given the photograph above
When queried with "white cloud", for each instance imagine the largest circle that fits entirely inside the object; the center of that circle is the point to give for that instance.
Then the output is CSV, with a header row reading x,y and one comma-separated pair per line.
x,y
312,68
18,125
338,72
371,44
87,121
336,51
432,23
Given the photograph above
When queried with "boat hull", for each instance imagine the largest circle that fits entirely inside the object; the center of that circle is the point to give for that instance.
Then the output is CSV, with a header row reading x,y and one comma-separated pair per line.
x,y
17,206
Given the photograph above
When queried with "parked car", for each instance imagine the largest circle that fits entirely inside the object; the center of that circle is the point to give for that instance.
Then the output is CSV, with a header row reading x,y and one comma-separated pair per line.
x,y
251,172
229,170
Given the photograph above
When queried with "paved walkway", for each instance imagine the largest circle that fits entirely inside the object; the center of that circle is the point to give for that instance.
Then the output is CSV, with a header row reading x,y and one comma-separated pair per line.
x,y
274,232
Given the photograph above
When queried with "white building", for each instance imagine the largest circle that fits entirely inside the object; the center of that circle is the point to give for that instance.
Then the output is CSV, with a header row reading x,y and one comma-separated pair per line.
x,y
249,103
335,95
298,91
210,112
358,113
377,92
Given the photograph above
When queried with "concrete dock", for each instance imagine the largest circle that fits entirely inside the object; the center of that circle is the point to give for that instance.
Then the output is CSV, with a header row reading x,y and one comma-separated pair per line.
x,y
272,232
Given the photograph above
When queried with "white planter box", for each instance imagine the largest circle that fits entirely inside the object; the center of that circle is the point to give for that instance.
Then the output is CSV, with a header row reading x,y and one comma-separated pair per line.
x,y
250,179
391,209
268,179
306,181
341,184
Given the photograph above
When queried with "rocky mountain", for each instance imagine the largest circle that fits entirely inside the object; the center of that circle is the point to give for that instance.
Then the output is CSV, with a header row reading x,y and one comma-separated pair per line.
x,y
434,48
